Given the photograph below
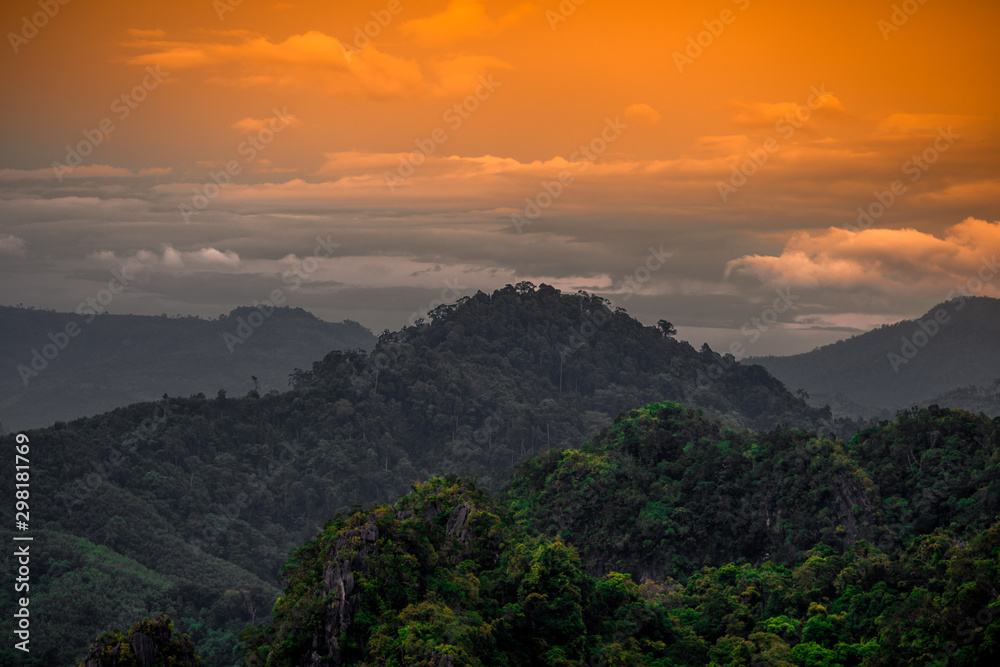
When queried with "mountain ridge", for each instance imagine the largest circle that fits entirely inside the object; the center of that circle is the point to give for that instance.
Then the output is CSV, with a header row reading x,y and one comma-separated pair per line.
x,y
61,366
230,484
896,366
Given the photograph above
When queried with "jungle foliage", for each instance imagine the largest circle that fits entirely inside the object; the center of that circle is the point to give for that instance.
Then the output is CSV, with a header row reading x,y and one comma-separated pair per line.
x,y
615,554
190,506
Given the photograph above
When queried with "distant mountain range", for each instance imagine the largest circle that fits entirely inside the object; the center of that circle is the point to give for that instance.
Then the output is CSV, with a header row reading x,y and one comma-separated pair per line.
x,y
59,366
950,356
191,504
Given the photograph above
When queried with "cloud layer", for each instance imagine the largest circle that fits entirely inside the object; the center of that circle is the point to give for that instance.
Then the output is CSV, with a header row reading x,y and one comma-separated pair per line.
x,y
887,260
468,144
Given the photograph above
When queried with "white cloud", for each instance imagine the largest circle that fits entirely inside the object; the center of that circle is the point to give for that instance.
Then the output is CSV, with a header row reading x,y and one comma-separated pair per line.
x,y
881,259
12,245
171,259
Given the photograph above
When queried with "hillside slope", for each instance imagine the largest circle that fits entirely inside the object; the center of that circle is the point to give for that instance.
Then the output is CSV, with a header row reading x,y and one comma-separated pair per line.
x,y
664,491
449,576
106,361
896,366
245,480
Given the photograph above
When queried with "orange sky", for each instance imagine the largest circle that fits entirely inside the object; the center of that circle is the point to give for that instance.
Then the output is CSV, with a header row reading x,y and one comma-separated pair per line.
x,y
686,116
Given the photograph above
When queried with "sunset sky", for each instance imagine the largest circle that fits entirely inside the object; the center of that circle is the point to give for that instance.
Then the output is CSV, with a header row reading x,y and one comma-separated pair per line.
x,y
410,132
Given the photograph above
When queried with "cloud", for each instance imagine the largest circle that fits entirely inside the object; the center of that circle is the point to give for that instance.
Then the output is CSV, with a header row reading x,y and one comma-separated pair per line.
x,y
462,19
146,34
84,171
880,259
763,114
171,259
313,61
155,171
921,123
642,112
12,245
250,125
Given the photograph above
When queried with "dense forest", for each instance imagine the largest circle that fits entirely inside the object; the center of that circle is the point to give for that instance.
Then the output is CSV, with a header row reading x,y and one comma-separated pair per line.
x,y
60,366
669,540
948,356
192,505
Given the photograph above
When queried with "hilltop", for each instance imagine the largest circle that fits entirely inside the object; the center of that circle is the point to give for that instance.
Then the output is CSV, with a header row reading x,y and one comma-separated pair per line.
x,y
205,496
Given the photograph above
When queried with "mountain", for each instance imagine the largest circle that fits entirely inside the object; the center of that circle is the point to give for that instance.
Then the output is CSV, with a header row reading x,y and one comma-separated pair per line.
x,y
770,541
198,501
665,491
913,362
59,366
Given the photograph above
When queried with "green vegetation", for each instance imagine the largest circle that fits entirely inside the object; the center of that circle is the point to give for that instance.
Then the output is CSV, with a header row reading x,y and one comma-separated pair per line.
x,y
451,576
665,491
210,494
148,643
734,531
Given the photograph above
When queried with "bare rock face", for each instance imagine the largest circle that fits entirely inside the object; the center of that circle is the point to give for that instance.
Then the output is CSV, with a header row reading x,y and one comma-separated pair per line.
x,y
147,643
338,580
442,661
144,648
457,521
349,557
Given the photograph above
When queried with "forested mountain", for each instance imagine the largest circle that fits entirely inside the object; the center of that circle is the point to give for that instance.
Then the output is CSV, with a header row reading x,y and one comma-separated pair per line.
x,y
665,491
59,366
669,540
191,505
913,362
